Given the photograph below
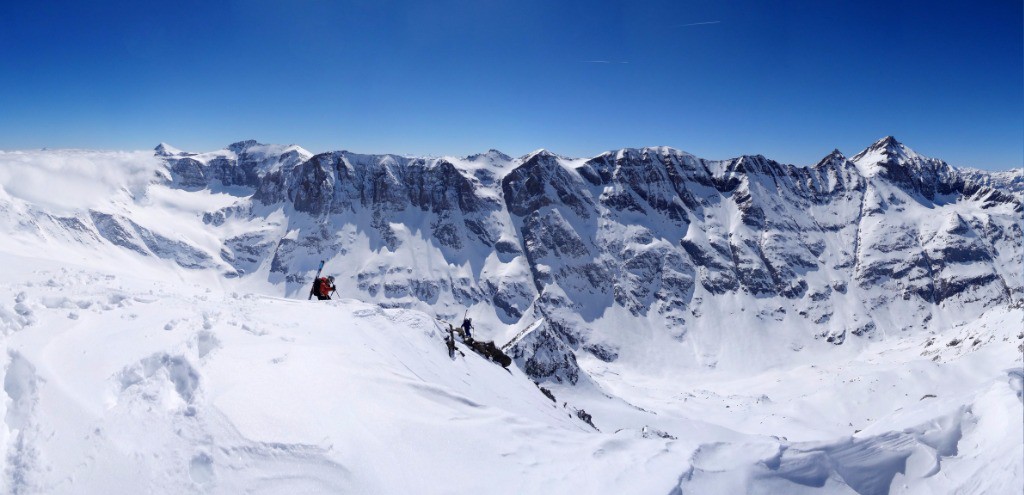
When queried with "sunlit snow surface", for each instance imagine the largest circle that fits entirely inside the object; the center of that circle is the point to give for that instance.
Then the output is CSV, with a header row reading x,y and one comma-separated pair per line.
x,y
125,373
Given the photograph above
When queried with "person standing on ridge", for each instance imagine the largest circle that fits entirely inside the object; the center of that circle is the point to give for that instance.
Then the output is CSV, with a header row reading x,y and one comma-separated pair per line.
x,y
323,287
467,324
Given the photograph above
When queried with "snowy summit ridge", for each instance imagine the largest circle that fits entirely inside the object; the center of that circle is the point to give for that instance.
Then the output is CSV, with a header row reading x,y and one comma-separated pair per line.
x,y
886,149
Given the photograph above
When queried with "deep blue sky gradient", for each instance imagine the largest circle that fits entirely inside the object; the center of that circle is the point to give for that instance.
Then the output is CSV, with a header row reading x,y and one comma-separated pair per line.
x,y
787,79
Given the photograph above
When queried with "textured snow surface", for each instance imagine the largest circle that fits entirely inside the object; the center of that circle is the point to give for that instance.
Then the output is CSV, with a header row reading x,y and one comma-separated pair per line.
x,y
157,339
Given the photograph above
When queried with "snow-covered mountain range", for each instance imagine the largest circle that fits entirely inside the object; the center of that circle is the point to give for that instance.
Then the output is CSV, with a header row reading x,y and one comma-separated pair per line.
x,y
671,246
647,286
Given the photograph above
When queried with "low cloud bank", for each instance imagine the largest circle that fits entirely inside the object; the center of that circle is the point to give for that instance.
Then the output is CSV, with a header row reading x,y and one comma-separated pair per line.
x,y
75,179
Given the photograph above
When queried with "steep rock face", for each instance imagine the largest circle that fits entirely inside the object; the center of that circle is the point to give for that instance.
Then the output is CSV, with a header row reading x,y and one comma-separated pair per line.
x,y
243,164
315,183
960,263
415,231
785,216
189,173
912,256
915,174
125,233
934,180
640,180
544,355
627,247
541,181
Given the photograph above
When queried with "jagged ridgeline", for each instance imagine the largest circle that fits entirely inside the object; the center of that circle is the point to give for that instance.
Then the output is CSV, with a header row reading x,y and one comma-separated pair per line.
x,y
651,256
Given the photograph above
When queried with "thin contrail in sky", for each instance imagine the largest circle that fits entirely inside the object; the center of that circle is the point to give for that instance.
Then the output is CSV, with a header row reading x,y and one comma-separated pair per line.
x,y
604,62
699,23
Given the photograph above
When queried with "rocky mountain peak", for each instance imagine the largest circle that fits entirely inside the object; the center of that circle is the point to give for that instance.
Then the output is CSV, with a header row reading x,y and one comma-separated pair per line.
x,y
164,149
241,146
887,142
885,150
541,154
833,159
888,145
492,155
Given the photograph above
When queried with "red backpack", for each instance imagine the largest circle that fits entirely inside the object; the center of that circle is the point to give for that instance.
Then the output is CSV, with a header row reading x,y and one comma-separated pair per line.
x,y
322,287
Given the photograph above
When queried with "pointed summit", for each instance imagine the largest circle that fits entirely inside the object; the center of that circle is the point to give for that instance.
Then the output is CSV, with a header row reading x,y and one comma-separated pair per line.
x,y
164,149
538,154
886,151
883,150
836,157
887,141
892,147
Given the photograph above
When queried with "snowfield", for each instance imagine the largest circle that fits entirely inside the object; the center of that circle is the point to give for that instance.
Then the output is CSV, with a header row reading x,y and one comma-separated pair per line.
x,y
153,343
116,381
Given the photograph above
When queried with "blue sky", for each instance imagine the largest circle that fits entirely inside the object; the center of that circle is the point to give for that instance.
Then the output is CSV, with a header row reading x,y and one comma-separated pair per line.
x,y
788,79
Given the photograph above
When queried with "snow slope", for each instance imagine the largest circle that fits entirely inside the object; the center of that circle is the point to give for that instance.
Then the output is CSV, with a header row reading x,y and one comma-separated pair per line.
x,y
157,338
117,381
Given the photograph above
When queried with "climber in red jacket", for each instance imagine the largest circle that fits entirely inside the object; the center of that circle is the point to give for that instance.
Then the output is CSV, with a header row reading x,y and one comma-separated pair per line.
x,y
323,287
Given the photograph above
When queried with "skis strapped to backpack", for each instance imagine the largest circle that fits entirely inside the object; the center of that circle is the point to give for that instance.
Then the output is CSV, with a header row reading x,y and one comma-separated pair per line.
x,y
317,277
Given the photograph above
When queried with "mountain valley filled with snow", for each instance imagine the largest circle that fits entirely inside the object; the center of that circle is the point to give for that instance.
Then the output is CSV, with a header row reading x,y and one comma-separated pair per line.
x,y
677,325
